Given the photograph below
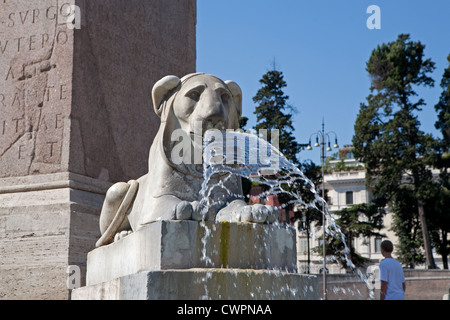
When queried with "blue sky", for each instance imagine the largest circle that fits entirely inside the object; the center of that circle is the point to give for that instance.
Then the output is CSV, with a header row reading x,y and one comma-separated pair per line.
x,y
321,47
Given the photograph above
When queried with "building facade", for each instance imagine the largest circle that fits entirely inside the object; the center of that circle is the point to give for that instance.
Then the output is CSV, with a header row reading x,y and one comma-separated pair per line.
x,y
346,185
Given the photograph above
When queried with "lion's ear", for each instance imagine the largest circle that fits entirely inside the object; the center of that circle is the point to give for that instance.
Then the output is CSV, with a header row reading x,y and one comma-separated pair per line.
x,y
161,90
237,95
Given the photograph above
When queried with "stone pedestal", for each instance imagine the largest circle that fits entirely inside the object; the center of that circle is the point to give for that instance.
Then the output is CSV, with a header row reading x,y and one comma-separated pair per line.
x,y
204,284
75,116
192,260
47,222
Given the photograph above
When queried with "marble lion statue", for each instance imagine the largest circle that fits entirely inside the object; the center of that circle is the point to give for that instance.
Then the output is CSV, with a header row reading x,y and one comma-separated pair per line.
x,y
171,191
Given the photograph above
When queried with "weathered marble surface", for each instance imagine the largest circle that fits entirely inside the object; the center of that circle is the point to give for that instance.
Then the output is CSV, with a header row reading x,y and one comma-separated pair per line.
x,y
204,284
75,116
174,260
182,245
171,190
70,96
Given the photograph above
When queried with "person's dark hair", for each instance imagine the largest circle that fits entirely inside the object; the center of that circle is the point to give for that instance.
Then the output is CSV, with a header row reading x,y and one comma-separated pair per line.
x,y
387,246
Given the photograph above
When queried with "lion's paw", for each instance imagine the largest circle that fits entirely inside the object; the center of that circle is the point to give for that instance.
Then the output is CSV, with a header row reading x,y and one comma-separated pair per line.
x,y
257,213
186,210
183,210
121,235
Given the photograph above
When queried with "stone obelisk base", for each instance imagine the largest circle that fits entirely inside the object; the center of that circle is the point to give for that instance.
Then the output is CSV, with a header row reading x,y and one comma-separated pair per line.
x,y
47,222
191,260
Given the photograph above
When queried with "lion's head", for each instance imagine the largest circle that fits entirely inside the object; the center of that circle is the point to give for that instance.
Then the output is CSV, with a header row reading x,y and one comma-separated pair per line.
x,y
194,104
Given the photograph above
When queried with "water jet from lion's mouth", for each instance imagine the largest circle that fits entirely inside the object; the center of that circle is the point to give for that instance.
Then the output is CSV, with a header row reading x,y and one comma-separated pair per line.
x,y
272,170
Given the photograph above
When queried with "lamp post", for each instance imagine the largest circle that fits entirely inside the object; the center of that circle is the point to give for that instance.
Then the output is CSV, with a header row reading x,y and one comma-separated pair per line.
x,y
324,137
306,224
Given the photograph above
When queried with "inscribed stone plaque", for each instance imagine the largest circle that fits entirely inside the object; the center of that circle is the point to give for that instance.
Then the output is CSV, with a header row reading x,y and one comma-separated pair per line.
x,y
35,87
79,100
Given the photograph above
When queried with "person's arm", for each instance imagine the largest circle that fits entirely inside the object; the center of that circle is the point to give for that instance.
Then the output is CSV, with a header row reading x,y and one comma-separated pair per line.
x,y
383,290
404,286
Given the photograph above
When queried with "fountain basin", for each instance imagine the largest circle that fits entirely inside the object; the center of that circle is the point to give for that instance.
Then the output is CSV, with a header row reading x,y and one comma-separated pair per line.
x,y
204,284
190,260
182,244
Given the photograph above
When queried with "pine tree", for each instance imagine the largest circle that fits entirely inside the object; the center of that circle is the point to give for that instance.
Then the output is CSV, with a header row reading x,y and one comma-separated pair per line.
x,y
443,108
387,136
441,194
406,225
359,220
272,113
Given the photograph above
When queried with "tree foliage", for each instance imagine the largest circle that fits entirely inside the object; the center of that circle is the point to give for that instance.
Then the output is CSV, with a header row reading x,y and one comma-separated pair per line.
x,y
443,108
272,112
387,137
438,204
406,226
440,195
363,220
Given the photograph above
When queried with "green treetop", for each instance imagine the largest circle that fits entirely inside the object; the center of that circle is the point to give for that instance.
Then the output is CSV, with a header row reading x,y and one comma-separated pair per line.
x,y
387,136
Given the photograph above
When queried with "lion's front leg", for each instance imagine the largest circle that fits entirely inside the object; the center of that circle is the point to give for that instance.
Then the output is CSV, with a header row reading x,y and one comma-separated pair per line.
x,y
169,207
240,211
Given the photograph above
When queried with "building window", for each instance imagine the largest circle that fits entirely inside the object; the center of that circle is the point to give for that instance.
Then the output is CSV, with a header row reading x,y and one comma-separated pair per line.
x,y
303,246
378,245
349,197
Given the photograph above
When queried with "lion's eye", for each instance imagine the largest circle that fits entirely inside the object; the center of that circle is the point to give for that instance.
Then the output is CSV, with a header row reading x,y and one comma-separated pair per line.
x,y
225,97
194,95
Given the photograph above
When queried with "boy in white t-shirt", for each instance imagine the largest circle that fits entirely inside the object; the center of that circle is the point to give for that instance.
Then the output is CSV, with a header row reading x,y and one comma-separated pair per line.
x,y
391,275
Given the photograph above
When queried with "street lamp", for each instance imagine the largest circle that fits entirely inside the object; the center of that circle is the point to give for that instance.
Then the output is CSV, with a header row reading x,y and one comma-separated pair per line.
x,y
323,136
306,223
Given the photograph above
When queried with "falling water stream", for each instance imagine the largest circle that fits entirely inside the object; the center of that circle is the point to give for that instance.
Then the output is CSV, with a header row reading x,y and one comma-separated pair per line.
x,y
252,157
